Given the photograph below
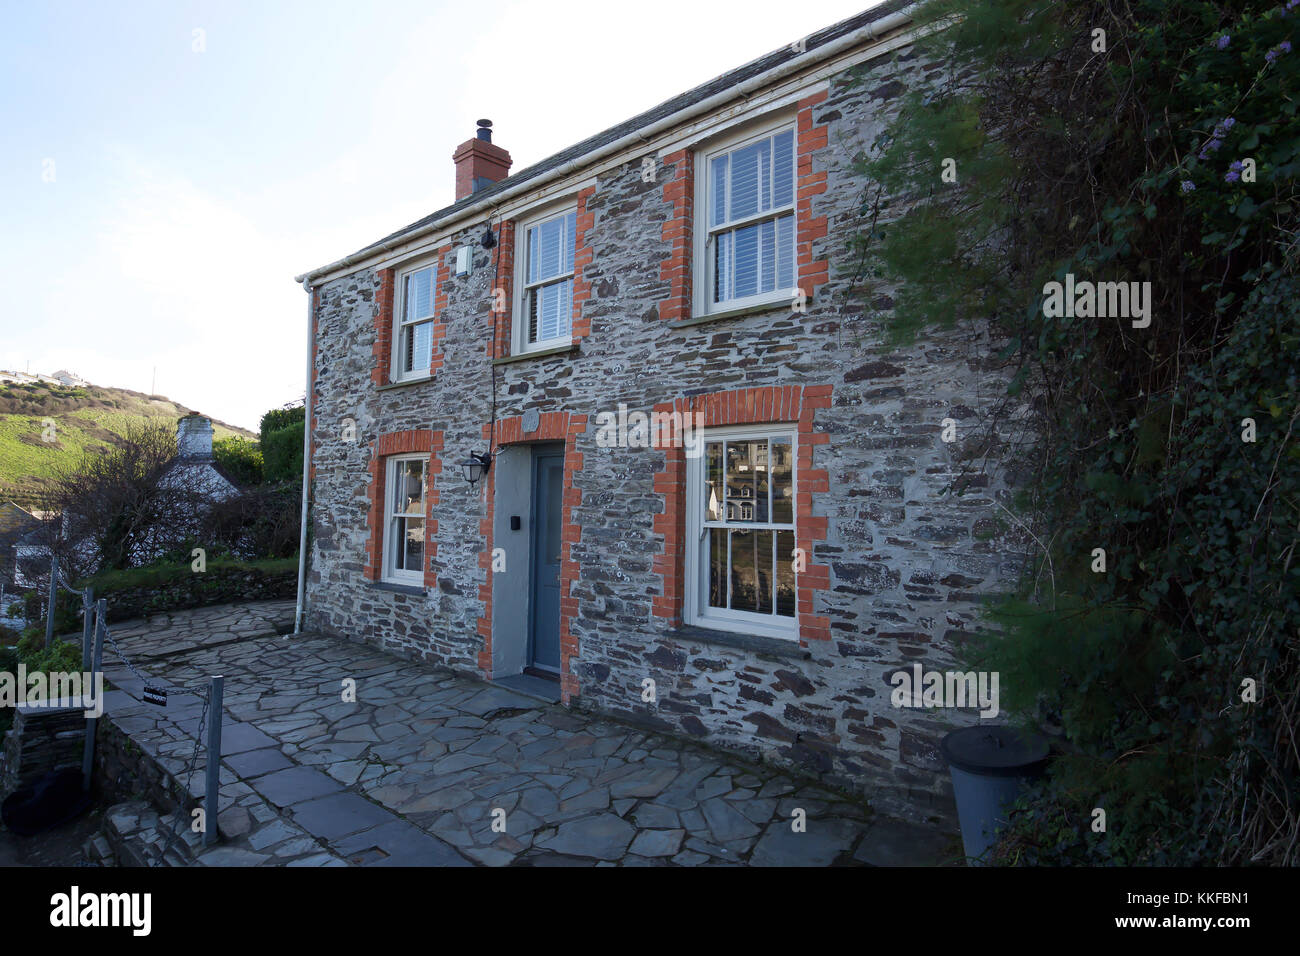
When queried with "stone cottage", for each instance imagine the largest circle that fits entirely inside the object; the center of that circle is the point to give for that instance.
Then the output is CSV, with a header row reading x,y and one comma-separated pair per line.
x,y
618,428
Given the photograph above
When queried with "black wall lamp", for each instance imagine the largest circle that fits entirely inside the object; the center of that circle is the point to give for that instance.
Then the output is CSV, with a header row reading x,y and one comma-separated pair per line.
x,y
476,466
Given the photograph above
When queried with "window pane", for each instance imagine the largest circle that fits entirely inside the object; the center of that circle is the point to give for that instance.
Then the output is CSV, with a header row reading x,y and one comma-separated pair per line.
x,y
418,298
745,563
782,474
718,205
553,308
785,252
750,179
722,260
741,484
767,274
785,573
783,169
763,569
745,280
550,248
717,567
412,544
713,488
417,347
409,490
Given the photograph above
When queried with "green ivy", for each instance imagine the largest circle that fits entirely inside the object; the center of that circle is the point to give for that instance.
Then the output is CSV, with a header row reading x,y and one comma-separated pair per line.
x,y
1128,164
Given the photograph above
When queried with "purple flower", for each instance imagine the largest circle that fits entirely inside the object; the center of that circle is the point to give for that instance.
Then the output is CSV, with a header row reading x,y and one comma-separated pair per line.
x,y
1188,186
1236,164
1270,56
1290,4
1229,123
1232,176
1222,42
1285,46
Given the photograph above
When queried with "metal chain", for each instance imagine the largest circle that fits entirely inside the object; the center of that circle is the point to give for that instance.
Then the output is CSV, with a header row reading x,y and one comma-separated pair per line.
x,y
70,589
189,772
196,691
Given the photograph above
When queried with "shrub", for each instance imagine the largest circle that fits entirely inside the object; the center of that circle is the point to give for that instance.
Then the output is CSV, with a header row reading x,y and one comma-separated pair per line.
x,y
282,454
240,458
1129,163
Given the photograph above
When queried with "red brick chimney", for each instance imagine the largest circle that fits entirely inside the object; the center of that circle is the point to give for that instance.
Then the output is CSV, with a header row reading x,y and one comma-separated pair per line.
x,y
479,163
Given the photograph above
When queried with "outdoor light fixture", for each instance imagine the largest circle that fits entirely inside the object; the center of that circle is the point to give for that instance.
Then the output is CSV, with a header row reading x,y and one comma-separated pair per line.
x,y
476,466
489,239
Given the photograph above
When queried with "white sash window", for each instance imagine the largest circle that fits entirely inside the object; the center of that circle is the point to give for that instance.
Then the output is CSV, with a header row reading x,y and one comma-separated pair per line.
x,y
741,532
404,525
748,221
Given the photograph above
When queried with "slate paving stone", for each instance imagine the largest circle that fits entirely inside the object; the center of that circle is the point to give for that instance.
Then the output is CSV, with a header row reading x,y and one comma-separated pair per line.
x,y
725,822
442,751
899,843
241,737
604,837
338,815
402,845
287,787
254,763
657,842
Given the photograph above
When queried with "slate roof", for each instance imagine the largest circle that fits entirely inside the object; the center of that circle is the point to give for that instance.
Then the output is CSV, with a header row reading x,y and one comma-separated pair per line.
x,y
662,111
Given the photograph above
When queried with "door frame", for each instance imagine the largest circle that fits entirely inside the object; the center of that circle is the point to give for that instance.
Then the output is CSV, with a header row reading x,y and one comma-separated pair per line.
x,y
538,452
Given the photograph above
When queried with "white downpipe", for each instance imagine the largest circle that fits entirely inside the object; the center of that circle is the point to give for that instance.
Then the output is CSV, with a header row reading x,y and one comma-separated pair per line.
x,y
306,467
869,31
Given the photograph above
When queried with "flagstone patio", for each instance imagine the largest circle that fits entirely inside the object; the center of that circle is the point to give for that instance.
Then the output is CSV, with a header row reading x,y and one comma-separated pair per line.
x,y
430,768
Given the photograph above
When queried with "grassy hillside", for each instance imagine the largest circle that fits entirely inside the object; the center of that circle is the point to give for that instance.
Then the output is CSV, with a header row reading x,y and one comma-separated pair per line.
x,y
84,418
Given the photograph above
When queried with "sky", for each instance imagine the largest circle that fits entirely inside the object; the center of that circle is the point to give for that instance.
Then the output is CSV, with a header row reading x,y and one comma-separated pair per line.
x,y
167,168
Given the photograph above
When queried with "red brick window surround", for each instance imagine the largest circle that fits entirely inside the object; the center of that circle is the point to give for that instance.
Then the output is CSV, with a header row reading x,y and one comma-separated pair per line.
x,y
402,443
685,270
503,285
388,301
750,406
511,335
552,426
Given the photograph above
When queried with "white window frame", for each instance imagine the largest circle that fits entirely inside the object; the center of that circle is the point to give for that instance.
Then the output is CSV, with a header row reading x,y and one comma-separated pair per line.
x,y
695,606
702,267
392,574
520,343
400,322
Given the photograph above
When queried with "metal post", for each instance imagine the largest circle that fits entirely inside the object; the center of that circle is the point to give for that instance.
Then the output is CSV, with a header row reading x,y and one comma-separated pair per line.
x,y
87,626
88,751
216,688
54,591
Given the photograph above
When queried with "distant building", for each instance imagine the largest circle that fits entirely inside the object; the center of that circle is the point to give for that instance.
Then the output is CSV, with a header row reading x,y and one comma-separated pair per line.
x,y
195,469
64,377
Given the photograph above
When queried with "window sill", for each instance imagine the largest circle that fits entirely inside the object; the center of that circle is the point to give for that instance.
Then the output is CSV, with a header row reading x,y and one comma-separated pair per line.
x,y
405,381
396,588
759,644
779,305
572,348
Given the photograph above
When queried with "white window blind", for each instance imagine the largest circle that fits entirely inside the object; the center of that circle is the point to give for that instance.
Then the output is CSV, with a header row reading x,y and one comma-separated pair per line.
x,y
415,321
548,280
751,220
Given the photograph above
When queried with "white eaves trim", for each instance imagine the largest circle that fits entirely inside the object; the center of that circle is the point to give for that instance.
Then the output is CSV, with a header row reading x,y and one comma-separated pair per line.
x,y
710,113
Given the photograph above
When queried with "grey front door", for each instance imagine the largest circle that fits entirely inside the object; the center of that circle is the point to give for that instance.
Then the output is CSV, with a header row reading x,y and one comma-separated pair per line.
x,y
548,501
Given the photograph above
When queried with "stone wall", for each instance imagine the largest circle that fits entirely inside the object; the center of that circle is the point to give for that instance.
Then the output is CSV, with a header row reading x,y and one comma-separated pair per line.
x,y
911,542
41,739
217,585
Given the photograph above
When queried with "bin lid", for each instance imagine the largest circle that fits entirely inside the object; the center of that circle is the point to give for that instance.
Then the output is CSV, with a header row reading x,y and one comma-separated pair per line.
x,y
997,751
